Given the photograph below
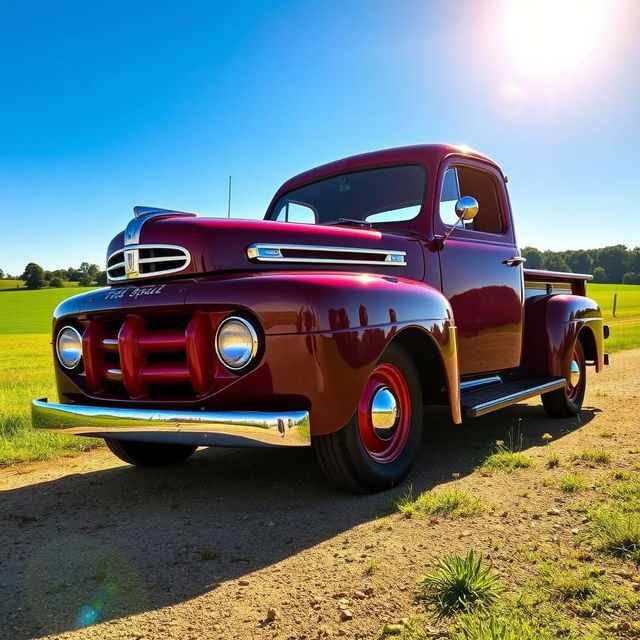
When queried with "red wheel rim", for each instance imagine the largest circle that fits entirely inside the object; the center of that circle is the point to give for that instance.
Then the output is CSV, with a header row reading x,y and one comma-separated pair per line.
x,y
574,379
384,437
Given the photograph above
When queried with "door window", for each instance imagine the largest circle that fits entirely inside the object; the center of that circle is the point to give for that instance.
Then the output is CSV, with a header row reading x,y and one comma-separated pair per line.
x,y
467,181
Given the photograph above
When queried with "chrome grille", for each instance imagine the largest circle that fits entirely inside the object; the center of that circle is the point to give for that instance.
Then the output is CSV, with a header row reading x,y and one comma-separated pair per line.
x,y
146,260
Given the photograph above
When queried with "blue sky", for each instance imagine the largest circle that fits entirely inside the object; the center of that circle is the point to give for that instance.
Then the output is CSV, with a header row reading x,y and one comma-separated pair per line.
x,y
109,104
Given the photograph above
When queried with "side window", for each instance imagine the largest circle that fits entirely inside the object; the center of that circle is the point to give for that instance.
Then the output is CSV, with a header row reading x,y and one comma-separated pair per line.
x,y
466,181
294,212
448,198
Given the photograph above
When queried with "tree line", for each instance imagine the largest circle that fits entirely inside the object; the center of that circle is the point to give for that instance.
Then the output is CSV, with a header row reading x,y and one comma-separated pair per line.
x,y
615,264
35,277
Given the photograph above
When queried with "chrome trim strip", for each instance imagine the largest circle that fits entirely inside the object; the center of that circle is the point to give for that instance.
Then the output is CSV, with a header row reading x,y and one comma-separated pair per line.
x,y
134,251
471,384
201,428
493,405
142,214
263,252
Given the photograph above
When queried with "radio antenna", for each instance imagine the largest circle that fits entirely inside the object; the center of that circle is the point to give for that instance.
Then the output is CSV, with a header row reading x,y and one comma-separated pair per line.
x,y
229,201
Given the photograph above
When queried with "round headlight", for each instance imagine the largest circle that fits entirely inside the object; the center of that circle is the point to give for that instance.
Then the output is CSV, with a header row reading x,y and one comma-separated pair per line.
x,y
236,343
69,347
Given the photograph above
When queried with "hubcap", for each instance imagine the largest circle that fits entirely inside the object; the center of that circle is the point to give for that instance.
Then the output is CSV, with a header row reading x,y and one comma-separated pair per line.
x,y
575,373
574,380
384,413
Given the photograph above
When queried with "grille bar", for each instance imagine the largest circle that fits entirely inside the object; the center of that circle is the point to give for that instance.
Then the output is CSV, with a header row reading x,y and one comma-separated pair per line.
x,y
146,260
135,357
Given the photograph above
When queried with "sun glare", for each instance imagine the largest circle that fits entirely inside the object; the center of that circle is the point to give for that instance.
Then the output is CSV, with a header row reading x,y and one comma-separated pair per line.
x,y
554,38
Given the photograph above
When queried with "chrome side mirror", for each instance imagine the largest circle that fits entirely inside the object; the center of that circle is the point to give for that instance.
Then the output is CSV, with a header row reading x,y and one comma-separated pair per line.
x,y
467,208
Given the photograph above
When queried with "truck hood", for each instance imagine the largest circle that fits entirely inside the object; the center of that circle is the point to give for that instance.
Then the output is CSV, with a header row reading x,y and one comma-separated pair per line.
x,y
178,246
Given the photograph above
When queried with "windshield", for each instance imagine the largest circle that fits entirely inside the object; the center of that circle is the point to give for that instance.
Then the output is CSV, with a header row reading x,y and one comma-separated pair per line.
x,y
389,194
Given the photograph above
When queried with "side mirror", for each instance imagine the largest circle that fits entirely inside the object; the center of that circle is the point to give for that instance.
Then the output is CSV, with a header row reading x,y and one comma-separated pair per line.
x,y
467,208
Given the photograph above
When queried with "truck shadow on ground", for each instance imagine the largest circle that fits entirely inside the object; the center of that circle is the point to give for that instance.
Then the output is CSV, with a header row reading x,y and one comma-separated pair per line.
x,y
90,547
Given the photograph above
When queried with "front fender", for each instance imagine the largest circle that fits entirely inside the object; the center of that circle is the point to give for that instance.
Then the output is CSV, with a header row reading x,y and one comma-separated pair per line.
x,y
324,333
552,324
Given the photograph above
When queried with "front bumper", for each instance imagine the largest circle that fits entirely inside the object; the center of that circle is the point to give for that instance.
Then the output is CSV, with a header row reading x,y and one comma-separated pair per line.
x,y
198,428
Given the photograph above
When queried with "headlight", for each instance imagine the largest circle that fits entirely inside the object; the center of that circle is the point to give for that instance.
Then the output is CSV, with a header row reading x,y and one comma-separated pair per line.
x,y
69,347
236,343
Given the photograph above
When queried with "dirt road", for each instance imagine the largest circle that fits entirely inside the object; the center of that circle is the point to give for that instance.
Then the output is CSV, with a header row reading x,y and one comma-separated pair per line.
x,y
205,549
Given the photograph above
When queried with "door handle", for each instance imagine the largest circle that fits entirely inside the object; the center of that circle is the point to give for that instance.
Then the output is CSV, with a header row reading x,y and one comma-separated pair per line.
x,y
514,261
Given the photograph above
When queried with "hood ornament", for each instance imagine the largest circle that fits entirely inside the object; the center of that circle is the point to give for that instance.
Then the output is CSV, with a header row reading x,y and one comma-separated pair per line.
x,y
142,214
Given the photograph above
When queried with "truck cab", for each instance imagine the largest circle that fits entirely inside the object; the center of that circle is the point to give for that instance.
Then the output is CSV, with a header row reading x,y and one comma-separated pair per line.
x,y
374,285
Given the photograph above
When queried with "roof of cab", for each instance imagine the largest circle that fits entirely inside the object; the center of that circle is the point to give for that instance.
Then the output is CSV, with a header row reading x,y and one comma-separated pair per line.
x,y
430,154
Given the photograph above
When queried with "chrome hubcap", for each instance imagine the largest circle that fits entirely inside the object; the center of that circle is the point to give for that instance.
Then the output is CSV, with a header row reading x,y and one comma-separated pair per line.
x,y
574,374
384,413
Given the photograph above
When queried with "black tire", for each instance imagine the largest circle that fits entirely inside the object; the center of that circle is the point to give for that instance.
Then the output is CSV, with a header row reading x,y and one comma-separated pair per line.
x,y
343,456
566,402
149,454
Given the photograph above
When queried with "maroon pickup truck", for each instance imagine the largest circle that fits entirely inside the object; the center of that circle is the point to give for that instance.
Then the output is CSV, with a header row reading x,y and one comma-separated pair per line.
x,y
375,285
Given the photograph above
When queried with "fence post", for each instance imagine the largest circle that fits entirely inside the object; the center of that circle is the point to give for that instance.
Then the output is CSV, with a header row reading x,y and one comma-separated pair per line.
x,y
615,303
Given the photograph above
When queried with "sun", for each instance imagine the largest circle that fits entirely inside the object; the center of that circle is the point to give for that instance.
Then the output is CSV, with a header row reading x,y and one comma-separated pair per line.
x,y
555,39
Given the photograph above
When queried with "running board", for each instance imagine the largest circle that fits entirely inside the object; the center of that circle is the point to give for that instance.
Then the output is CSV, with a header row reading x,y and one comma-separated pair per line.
x,y
476,402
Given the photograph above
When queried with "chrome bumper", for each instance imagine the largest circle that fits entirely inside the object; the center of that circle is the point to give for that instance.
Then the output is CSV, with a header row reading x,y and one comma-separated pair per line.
x,y
201,428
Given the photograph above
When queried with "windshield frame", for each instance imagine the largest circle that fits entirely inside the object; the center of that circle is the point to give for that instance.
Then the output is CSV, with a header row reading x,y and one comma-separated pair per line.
x,y
394,225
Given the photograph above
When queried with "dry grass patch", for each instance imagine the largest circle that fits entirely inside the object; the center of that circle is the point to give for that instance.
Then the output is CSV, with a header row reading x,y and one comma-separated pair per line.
x,y
592,456
446,503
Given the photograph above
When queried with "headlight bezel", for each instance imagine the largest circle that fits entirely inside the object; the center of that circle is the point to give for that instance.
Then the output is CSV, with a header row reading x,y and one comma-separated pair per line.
x,y
253,335
78,335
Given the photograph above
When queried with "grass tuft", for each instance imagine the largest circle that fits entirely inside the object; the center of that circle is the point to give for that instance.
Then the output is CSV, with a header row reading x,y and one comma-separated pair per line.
x,y
572,483
553,461
592,456
507,461
479,626
446,503
460,584
617,531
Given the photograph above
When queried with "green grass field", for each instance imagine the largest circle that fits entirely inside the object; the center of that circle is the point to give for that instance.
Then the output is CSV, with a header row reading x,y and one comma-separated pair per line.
x,y
625,327
26,369
10,284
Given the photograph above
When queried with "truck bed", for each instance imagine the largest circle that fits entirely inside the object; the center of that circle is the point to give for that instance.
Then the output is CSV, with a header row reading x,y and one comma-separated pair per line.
x,y
540,282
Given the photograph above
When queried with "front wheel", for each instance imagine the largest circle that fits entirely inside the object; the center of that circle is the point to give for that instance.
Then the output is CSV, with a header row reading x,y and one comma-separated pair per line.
x,y
567,402
377,447
149,454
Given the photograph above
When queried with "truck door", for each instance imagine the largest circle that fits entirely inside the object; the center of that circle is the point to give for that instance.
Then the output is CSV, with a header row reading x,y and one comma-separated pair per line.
x,y
480,267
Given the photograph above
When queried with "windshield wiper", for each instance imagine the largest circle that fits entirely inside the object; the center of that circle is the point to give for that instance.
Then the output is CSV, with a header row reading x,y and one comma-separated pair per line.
x,y
359,223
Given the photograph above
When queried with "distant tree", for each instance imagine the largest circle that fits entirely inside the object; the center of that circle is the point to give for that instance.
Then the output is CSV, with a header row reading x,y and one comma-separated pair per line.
x,y
56,282
60,273
1,274
85,280
73,275
631,278
614,261
599,275
535,259
579,261
33,276
101,278
554,262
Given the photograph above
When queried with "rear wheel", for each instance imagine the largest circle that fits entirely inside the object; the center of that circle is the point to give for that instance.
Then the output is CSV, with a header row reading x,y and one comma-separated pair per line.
x,y
377,447
567,402
149,454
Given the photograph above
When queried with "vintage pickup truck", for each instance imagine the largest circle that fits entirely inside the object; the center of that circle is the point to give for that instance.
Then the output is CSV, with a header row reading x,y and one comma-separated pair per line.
x,y
375,285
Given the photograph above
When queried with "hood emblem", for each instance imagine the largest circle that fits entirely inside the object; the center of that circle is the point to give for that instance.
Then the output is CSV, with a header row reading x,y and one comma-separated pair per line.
x,y
131,263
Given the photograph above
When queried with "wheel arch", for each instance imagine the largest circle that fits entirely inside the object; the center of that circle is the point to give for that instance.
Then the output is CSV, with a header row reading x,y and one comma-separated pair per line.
x,y
439,384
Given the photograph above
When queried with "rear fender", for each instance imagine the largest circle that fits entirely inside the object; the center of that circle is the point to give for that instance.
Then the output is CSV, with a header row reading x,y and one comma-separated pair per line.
x,y
552,325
